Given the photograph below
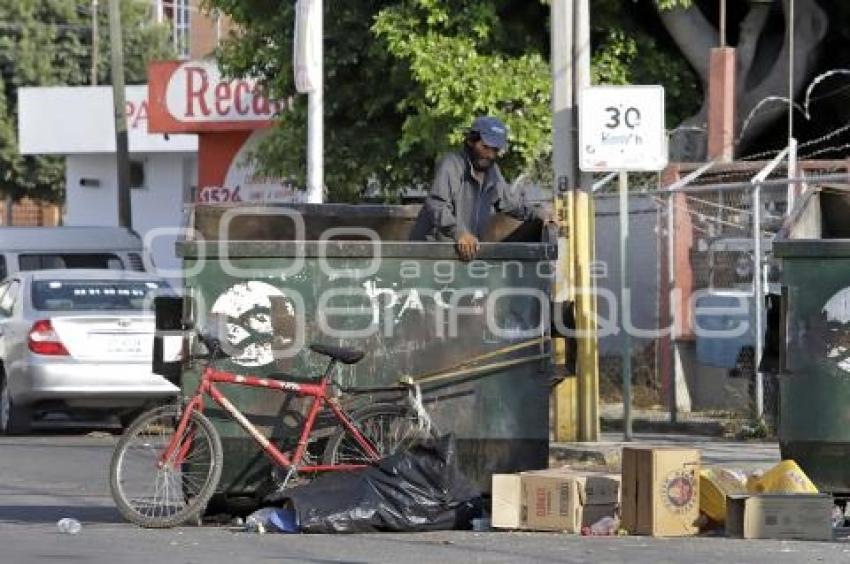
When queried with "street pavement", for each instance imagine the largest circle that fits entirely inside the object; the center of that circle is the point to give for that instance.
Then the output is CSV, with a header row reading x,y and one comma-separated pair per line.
x,y
47,477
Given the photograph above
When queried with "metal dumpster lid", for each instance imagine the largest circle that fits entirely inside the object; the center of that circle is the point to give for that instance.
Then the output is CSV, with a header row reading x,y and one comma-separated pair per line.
x,y
361,249
811,248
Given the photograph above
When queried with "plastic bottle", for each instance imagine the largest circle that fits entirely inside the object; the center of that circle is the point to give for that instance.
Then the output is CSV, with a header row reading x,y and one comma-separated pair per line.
x,y
69,526
481,524
605,527
271,520
255,525
837,516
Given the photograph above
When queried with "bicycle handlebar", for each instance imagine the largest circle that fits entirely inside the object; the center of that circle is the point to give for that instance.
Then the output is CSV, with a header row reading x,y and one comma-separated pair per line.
x,y
213,346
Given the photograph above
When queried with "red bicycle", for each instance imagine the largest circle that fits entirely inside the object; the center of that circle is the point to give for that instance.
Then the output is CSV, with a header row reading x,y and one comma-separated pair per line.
x,y
167,465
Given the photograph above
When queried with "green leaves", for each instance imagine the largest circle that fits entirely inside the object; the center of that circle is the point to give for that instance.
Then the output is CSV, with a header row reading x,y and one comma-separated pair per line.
x,y
670,4
48,43
460,75
405,78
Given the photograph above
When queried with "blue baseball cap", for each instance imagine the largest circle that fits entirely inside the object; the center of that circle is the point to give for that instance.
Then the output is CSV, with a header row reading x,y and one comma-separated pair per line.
x,y
493,132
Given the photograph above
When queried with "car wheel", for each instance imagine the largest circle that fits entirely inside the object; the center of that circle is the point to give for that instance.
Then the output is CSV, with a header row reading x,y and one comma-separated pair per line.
x,y
14,419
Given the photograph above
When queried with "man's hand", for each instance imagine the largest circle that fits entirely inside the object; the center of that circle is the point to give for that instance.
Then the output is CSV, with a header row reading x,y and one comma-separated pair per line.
x,y
467,247
548,216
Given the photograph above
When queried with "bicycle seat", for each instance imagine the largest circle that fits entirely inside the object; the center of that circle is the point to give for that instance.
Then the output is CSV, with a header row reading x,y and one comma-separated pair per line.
x,y
342,354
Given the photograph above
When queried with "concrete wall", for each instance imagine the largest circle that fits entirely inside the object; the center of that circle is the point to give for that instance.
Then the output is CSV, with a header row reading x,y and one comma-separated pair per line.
x,y
708,387
700,386
158,204
643,262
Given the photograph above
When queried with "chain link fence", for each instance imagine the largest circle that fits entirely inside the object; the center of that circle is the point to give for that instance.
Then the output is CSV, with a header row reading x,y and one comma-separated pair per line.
x,y
706,259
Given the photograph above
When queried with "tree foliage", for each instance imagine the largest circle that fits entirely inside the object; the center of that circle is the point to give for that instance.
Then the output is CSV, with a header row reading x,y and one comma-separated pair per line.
x,y
404,78
48,43
465,62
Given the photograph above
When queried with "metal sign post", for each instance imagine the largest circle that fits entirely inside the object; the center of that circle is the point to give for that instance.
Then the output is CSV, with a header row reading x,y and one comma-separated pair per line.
x,y
624,305
621,128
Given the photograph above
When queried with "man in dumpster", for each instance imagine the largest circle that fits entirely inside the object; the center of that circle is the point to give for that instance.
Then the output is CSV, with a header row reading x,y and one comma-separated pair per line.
x,y
468,187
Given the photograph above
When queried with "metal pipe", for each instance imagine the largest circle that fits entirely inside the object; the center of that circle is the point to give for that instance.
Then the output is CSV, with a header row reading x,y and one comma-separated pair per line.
x,y
315,120
477,370
671,267
625,304
792,172
758,296
94,42
486,356
791,70
770,184
682,182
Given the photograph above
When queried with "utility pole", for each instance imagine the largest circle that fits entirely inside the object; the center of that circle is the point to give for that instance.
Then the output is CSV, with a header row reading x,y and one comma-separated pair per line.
x,y
94,43
565,394
584,221
576,397
116,44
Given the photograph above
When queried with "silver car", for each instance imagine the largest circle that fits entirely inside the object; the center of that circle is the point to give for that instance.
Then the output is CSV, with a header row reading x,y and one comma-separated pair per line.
x,y
77,341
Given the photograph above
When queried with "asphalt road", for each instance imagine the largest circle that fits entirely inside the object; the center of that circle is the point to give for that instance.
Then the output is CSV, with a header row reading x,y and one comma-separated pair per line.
x,y
44,478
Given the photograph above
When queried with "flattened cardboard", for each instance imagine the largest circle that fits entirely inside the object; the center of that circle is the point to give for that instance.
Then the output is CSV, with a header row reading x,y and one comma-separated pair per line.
x,y
779,516
507,510
660,491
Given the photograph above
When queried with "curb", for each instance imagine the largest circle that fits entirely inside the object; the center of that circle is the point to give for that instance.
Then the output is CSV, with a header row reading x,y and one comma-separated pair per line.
x,y
701,428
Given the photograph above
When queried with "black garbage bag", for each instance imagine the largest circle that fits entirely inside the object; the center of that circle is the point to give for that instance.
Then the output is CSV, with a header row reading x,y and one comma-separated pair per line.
x,y
420,489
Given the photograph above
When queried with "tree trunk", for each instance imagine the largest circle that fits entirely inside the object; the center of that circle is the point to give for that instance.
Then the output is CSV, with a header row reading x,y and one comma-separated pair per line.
x,y
762,68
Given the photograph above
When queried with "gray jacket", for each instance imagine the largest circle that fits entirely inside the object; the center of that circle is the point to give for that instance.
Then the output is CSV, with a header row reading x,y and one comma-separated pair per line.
x,y
458,204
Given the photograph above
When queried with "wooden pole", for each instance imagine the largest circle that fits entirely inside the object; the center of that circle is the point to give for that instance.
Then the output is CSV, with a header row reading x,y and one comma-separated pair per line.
x,y
121,144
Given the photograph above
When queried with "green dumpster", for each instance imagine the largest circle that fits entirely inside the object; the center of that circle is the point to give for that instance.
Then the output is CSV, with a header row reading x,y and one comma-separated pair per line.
x,y
814,419
412,306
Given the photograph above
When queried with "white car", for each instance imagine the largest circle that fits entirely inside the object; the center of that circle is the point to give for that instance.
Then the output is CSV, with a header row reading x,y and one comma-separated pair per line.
x,y
77,341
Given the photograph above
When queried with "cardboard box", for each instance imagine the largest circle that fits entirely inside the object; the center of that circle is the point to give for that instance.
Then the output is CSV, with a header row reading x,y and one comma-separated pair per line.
x,y
553,500
779,516
507,510
660,491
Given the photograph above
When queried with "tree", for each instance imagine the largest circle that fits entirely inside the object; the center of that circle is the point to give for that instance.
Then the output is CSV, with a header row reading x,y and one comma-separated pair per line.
x,y
492,57
363,86
405,77
48,43
759,30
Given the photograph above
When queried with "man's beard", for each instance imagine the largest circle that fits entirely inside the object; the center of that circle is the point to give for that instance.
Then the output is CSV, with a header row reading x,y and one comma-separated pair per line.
x,y
481,164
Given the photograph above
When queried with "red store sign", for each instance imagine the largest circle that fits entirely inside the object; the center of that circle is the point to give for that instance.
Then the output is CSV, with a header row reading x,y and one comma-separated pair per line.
x,y
191,97
229,117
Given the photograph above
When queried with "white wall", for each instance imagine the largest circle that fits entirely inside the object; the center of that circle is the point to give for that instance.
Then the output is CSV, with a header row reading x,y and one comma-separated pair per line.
x,y
159,204
65,120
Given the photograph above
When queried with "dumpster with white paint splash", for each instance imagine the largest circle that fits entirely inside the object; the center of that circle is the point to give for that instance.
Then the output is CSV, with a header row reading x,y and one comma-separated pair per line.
x,y
476,332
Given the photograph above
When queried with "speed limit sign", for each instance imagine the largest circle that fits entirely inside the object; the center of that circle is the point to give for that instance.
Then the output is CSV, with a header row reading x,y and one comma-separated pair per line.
x,y
622,128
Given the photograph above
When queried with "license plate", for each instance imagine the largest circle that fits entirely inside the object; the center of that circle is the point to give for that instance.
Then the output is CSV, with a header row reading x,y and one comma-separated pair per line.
x,y
124,345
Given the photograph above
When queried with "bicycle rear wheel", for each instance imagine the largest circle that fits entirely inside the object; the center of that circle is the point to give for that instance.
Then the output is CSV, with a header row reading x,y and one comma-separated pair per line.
x,y
156,495
388,427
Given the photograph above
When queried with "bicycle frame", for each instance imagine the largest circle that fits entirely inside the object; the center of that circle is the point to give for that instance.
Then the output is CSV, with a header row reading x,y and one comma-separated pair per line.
x,y
319,392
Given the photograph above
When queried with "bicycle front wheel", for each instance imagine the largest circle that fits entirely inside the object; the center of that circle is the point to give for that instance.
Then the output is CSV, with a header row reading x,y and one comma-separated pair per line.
x,y
388,427
156,493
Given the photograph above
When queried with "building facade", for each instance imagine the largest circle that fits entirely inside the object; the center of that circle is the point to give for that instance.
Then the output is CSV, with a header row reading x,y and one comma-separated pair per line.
x,y
196,32
163,167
